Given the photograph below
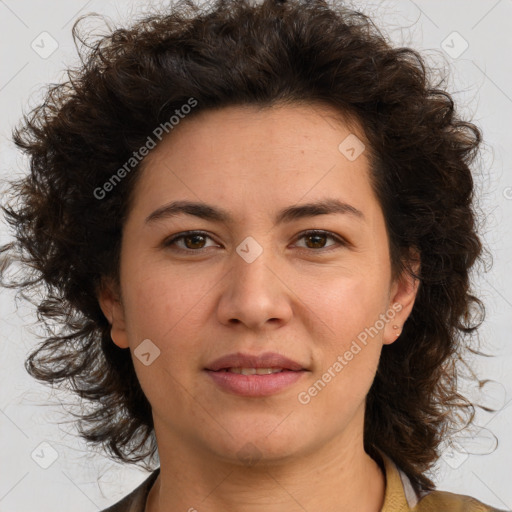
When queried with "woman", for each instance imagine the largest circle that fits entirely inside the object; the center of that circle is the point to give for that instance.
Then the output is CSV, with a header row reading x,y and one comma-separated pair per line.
x,y
254,224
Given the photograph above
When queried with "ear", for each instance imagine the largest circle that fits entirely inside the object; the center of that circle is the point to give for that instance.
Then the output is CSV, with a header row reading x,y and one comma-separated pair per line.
x,y
402,297
109,299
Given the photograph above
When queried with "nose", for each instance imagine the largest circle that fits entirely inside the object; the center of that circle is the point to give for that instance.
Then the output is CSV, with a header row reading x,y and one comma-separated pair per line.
x,y
256,294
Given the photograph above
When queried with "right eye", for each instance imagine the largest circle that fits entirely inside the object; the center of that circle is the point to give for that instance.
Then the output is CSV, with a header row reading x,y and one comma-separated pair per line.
x,y
190,239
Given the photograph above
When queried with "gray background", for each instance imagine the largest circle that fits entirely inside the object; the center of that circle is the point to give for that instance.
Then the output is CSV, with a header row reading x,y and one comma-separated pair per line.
x,y
480,79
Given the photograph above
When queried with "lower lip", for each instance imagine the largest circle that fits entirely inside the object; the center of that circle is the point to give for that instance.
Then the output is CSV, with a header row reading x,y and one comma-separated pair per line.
x,y
255,385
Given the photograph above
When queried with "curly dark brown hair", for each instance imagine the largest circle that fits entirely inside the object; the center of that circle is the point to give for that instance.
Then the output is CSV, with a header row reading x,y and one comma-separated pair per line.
x,y
134,79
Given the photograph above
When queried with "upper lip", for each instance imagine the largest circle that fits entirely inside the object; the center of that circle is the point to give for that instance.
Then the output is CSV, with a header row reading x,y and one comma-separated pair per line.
x,y
265,360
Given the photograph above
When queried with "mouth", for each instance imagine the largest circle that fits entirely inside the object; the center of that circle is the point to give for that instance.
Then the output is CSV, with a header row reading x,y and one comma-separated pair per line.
x,y
268,362
254,376
254,371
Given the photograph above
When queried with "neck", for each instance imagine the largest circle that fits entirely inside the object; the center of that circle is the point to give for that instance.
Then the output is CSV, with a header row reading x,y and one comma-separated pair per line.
x,y
341,477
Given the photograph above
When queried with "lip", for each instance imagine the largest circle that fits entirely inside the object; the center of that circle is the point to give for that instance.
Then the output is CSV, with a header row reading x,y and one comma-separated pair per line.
x,y
265,360
255,385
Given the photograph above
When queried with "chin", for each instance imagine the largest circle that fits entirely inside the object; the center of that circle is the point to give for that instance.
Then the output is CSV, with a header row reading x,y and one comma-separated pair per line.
x,y
263,442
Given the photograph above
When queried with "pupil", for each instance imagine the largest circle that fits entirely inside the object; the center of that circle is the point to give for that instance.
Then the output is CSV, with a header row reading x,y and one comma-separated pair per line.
x,y
192,237
317,240
316,237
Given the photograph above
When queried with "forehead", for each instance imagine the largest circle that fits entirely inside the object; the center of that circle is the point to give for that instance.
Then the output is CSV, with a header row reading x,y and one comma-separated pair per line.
x,y
252,158
271,127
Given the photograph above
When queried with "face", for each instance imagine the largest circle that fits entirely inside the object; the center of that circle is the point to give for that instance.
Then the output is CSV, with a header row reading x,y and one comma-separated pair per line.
x,y
257,282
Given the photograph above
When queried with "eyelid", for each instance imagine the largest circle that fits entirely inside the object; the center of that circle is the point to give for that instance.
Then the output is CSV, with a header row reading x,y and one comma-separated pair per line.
x,y
328,234
341,242
168,242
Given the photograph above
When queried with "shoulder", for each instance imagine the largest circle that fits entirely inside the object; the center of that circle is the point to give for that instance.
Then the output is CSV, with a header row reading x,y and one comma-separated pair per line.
x,y
402,496
135,501
439,501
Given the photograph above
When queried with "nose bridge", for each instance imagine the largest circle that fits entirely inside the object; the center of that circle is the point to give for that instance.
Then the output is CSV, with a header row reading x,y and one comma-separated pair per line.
x,y
252,264
254,292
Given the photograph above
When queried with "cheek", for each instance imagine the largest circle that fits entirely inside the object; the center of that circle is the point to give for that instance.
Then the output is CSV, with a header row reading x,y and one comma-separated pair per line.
x,y
165,310
160,303
347,305
349,350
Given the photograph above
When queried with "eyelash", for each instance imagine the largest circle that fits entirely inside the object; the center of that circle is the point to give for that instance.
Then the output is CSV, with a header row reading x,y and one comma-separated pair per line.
x,y
340,241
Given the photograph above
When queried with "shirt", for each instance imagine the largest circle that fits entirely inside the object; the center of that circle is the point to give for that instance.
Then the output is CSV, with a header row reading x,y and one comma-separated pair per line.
x,y
400,496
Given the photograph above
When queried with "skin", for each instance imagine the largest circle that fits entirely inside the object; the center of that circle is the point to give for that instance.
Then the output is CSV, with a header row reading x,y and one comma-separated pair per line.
x,y
296,299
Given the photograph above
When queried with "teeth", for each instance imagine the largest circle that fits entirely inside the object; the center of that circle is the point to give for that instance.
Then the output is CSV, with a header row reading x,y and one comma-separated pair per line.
x,y
254,371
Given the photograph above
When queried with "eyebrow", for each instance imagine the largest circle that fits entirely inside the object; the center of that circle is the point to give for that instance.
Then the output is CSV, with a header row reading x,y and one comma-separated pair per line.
x,y
212,213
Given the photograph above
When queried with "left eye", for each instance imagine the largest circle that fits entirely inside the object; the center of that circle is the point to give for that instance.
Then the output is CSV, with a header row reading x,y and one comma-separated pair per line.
x,y
193,239
315,235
